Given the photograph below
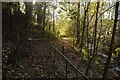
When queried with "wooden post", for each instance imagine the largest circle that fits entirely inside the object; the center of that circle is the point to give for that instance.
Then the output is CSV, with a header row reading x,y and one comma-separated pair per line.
x,y
54,61
63,48
66,70
54,55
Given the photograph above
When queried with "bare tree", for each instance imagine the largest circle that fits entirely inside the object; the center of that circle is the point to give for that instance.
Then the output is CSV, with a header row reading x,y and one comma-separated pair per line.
x,y
44,16
112,42
83,30
78,24
94,38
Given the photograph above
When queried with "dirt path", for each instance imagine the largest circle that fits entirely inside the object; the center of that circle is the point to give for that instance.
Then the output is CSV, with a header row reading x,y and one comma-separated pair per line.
x,y
38,64
70,53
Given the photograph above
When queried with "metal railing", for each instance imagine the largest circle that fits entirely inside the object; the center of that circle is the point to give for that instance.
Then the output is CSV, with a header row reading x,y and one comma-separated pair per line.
x,y
63,61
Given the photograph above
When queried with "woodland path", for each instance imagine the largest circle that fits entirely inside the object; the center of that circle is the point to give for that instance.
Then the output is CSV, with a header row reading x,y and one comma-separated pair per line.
x,y
38,64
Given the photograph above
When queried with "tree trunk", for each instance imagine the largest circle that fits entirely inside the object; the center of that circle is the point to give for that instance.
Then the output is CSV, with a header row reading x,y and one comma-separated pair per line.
x,y
78,24
95,32
94,49
87,40
112,42
99,35
82,39
28,18
39,14
44,16
53,21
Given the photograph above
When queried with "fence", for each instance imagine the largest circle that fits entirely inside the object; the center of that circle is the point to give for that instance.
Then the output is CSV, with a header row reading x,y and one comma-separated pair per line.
x,y
66,67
